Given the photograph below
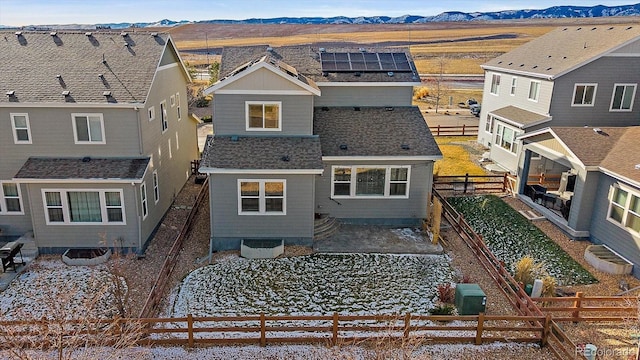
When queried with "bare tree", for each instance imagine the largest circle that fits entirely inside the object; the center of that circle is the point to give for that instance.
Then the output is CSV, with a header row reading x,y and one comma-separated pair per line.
x,y
440,88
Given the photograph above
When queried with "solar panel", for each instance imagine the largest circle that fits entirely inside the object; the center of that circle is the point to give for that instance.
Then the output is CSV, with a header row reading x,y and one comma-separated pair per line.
x,y
364,61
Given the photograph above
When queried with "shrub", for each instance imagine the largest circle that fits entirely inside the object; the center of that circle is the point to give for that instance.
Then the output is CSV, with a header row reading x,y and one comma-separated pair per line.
x,y
206,119
443,309
446,293
420,93
548,286
526,270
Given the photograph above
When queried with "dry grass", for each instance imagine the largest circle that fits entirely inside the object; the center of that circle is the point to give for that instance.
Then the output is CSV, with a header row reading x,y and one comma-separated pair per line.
x,y
457,159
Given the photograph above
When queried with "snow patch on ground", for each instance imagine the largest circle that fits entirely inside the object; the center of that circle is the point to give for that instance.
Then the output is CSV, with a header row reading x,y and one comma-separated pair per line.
x,y
409,234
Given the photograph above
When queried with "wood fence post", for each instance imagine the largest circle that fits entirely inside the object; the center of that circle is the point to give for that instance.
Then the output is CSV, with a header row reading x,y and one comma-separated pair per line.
x,y
545,331
407,325
504,182
466,182
263,331
335,329
480,329
190,329
577,305
463,128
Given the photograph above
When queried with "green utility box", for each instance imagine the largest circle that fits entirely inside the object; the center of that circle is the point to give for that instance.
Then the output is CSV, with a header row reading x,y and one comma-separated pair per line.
x,y
470,299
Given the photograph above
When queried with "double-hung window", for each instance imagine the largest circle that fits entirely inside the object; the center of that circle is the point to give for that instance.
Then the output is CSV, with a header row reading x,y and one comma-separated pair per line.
x,y
21,129
584,94
263,116
143,200
10,199
514,82
156,188
88,128
495,84
488,125
370,181
262,197
163,116
83,207
178,112
622,99
624,208
534,90
506,138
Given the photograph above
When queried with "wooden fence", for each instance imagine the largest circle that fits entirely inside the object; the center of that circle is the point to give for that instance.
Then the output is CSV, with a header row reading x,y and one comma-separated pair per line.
x,y
157,291
590,308
470,183
454,130
319,329
559,343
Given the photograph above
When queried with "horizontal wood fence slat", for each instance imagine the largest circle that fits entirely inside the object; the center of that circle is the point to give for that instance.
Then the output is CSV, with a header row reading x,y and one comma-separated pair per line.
x,y
454,130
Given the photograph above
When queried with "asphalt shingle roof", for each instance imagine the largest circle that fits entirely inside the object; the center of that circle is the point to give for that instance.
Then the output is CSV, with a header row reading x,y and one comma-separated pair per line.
x,y
266,152
589,146
374,131
521,117
625,155
306,60
80,168
31,62
564,49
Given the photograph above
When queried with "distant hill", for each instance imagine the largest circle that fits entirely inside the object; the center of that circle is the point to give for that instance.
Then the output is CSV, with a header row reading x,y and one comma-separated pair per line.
x,y
549,13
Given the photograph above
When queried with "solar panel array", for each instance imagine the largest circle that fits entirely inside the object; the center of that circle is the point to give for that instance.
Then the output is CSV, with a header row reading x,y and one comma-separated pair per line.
x,y
364,62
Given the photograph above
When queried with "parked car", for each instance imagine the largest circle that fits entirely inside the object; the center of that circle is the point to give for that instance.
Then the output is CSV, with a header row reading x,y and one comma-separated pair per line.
x,y
475,110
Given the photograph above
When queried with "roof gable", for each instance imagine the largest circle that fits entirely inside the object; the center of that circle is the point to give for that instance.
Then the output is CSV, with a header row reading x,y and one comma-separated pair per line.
x,y
93,67
564,50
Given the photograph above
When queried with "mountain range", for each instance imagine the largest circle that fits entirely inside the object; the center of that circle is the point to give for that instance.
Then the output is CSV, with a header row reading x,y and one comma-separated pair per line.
x,y
552,12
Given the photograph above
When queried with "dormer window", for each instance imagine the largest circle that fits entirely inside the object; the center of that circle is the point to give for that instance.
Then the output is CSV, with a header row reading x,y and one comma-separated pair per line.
x,y
263,116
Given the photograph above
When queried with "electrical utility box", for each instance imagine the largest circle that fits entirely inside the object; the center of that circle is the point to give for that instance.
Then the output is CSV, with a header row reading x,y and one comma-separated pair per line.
x,y
470,299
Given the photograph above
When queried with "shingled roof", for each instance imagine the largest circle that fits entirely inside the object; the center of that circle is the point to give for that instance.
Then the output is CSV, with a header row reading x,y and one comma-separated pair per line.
x,y
257,153
93,67
564,49
374,131
43,168
520,117
306,60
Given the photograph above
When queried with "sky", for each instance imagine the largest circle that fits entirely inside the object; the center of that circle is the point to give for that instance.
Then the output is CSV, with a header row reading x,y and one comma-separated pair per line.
x,y
49,12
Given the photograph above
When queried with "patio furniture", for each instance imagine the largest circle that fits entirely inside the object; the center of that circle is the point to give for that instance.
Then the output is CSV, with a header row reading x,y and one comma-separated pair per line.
x,y
8,253
537,192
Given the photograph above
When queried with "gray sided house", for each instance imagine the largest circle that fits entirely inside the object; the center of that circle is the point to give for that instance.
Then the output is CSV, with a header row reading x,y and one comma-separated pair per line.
x,y
96,140
304,133
598,197
571,76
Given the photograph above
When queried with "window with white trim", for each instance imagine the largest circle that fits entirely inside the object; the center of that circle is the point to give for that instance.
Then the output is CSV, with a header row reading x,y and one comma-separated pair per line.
x,y
624,208
172,100
262,197
368,181
534,90
169,145
488,125
584,94
143,200
506,138
178,112
263,116
163,116
514,81
495,84
21,128
10,199
151,112
156,188
83,206
88,128
177,142
622,98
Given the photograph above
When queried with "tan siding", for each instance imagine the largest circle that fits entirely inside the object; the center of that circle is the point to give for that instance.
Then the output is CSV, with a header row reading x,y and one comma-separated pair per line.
x,y
263,79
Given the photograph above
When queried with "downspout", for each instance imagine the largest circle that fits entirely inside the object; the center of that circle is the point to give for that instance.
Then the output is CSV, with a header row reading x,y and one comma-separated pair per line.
x,y
141,149
210,219
139,220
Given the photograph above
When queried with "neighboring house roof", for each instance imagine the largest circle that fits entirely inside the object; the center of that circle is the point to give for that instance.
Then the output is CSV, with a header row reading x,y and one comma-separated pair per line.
x,y
69,169
374,132
266,153
39,66
564,49
306,60
520,117
272,63
624,158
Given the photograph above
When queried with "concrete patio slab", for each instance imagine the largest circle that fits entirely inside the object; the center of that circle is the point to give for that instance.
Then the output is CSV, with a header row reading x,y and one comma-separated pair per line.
x,y
377,239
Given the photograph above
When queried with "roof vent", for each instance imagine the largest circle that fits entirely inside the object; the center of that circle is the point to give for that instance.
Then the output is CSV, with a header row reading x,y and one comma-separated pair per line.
x,y
611,28
270,49
18,33
405,146
126,44
154,34
88,33
322,50
106,93
53,33
362,50
325,108
598,130
325,74
11,93
578,29
510,63
234,138
124,34
593,28
390,73
629,28
59,77
535,66
86,159
343,147
637,167
285,158
101,76
66,93
356,108
389,108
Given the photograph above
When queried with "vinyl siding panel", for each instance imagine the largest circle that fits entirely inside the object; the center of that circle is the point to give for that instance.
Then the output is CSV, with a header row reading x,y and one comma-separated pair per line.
x,y
66,236
364,96
605,72
583,200
386,211
606,232
297,223
230,118
265,80
15,225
